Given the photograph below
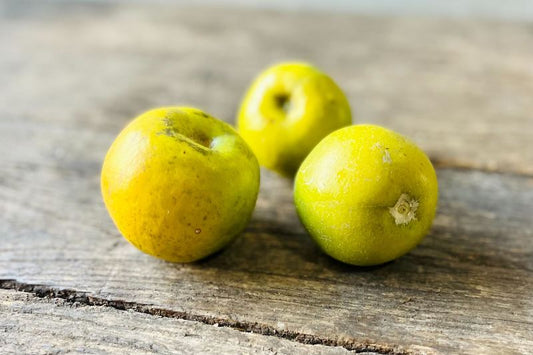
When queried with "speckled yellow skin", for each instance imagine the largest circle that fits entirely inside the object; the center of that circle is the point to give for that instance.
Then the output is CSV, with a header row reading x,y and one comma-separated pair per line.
x,y
347,192
179,184
288,109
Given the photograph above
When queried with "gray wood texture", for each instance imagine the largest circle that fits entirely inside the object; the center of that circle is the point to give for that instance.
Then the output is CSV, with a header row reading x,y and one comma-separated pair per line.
x,y
461,89
42,326
73,75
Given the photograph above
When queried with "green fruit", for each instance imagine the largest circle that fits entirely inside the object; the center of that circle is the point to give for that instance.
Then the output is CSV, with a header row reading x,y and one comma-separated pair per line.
x,y
288,109
179,184
366,194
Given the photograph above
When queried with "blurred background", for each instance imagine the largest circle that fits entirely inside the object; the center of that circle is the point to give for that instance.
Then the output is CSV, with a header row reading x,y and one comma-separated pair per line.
x,y
509,10
453,75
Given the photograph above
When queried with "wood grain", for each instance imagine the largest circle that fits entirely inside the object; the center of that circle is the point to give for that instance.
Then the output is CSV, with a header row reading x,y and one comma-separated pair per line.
x,y
43,326
465,289
461,89
72,75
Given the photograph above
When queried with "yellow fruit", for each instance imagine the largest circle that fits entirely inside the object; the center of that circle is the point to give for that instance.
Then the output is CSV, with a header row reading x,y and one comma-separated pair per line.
x,y
366,194
179,184
288,109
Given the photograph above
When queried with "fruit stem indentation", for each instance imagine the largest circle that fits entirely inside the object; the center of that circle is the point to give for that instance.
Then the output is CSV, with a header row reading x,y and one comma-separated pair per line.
x,y
197,139
283,102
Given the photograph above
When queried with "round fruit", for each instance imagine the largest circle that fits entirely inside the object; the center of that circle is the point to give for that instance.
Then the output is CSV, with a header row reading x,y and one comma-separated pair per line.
x,y
179,184
366,194
288,109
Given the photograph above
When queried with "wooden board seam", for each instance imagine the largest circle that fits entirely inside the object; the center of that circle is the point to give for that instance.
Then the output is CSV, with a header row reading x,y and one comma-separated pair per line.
x,y
450,164
85,298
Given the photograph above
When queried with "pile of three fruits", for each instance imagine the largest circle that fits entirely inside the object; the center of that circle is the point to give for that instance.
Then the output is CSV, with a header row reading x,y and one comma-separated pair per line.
x,y
180,184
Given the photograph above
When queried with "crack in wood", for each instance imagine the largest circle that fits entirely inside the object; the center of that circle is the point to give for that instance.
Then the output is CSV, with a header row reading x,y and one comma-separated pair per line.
x,y
81,297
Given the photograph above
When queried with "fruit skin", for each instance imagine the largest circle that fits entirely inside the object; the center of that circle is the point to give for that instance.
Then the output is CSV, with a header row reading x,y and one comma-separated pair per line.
x,y
366,195
179,184
288,109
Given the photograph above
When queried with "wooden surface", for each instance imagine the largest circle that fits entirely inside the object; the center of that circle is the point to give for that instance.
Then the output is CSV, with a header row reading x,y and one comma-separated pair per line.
x,y
108,330
73,75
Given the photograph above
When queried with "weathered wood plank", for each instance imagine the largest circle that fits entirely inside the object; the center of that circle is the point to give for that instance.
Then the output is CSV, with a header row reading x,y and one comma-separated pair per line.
x,y
467,288
461,89
43,326
73,74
